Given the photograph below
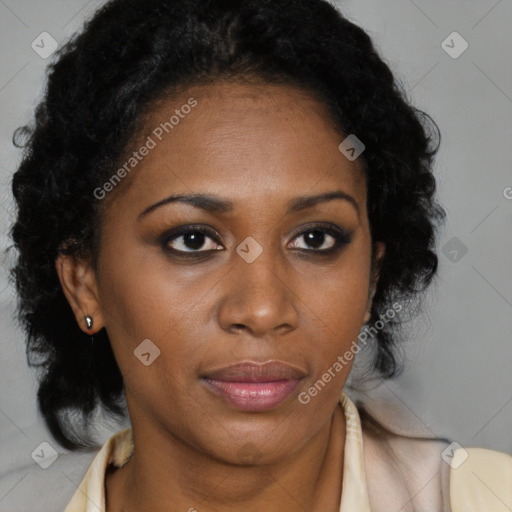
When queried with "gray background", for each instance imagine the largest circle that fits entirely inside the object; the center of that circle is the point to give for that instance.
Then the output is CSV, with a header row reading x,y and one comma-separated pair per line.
x,y
458,382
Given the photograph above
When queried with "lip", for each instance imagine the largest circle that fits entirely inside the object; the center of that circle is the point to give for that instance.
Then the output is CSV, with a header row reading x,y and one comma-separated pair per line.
x,y
254,386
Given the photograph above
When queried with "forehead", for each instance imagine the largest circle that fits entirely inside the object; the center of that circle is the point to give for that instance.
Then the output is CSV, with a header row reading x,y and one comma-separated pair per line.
x,y
251,141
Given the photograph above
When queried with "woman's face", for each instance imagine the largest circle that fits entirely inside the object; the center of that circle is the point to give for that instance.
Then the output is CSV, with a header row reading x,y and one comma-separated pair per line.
x,y
273,276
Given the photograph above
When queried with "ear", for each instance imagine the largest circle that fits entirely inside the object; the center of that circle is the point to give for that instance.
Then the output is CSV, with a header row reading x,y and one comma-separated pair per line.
x,y
380,250
78,281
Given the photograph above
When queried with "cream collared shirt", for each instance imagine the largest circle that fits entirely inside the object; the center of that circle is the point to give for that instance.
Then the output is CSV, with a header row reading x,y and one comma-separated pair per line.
x,y
396,474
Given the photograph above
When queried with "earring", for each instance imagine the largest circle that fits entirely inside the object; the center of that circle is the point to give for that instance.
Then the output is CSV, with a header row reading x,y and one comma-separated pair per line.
x,y
88,322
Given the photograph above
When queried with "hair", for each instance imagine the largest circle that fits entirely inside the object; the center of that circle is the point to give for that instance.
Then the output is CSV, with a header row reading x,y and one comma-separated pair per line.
x,y
129,55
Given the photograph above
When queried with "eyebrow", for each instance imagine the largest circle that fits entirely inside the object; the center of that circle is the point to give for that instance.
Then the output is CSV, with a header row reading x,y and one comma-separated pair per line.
x,y
215,204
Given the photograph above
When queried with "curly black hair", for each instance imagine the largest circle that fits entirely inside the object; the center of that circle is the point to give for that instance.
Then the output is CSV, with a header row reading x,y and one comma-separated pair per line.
x,y
133,53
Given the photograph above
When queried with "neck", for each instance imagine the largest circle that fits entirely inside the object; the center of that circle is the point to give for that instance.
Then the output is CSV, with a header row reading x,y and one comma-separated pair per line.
x,y
310,479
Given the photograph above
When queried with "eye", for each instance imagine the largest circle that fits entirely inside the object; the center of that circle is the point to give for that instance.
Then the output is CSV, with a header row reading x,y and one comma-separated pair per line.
x,y
322,239
190,239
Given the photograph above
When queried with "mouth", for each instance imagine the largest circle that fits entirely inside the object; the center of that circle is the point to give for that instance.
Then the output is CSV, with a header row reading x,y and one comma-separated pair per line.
x,y
253,386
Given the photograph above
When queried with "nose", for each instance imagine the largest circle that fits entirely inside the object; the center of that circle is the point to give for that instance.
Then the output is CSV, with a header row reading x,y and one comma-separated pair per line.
x,y
259,298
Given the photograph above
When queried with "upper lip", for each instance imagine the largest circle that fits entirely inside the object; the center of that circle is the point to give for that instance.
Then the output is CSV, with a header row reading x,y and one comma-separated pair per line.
x,y
250,371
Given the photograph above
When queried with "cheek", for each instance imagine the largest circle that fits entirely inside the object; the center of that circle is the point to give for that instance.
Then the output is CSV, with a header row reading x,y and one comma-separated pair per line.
x,y
339,295
140,286
337,307
145,297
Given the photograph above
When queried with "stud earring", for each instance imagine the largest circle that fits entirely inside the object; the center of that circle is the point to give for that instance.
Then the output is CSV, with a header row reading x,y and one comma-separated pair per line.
x,y
88,322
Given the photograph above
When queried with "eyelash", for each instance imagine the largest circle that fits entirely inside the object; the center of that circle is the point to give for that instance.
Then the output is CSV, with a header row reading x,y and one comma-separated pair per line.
x,y
341,238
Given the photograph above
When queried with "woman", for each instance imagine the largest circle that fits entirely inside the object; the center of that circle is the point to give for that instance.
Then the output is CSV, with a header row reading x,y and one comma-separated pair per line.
x,y
216,198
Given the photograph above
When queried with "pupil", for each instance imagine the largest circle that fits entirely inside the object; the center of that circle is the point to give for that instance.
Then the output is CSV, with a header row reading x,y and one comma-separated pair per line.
x,y
194,240
315,238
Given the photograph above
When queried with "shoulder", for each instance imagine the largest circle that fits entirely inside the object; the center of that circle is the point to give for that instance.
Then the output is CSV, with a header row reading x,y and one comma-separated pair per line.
x,y
481,479
90,495
411,474
405,473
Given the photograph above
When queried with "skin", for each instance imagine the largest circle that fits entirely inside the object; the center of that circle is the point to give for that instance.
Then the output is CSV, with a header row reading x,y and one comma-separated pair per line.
x,y
259,146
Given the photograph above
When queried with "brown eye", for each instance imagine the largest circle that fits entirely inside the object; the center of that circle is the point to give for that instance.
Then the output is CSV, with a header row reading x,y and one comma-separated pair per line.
x,y
316,238
322,239
192,240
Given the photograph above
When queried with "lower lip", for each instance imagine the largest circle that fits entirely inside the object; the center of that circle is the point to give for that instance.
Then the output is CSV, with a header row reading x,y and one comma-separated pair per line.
x,y
254,396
